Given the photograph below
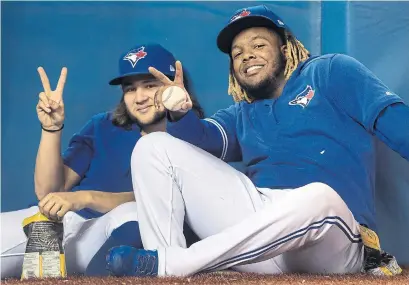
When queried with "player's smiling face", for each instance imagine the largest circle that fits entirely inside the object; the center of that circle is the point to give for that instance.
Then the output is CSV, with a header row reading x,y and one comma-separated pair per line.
x,y
139,93
258,60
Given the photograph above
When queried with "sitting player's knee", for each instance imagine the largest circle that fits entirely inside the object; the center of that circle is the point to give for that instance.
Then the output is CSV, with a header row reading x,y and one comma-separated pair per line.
x,y
149,144
124,210
324,198
120,215
147,141
69,216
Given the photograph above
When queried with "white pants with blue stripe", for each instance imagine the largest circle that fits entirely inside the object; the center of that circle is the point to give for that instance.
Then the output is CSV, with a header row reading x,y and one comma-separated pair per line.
x,y
308,229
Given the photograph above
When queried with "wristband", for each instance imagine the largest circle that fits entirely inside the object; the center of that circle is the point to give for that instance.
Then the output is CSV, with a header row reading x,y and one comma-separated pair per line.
x,y
53,131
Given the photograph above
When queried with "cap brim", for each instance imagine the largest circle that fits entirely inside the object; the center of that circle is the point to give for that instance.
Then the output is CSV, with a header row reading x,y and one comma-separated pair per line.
x,y
116,81
226,36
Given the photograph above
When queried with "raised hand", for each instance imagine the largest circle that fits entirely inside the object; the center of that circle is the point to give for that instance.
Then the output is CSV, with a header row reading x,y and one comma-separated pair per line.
x,y
178,81
50,107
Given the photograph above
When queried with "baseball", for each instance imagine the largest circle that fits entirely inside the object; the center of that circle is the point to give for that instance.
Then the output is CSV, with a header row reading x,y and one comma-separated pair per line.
x,y
173,97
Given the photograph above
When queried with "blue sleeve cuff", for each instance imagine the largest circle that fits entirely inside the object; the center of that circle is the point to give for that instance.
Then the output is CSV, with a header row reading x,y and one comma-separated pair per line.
x,y
377,107
392,127
187,128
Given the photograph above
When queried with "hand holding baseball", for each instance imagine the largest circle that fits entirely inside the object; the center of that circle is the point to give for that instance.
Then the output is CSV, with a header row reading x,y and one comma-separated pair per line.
x,y
173,94
50,107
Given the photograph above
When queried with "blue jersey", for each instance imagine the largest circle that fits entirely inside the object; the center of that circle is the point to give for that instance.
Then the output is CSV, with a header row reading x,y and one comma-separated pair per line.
x,y
321,129
100,154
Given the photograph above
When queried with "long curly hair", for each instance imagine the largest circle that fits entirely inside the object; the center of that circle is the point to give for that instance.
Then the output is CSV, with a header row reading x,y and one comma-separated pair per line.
x,y
121,118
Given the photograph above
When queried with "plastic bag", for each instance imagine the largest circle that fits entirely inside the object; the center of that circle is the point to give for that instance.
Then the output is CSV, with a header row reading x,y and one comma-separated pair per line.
x,y
44,256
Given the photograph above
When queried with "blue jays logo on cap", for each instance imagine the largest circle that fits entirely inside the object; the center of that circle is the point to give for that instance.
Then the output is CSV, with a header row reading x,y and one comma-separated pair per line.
x,y
137,60
239,15
304,98
135,55
255,16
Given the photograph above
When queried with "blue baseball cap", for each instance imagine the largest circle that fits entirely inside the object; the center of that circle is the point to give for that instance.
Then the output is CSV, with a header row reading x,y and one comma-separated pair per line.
x,y
138,59
255,16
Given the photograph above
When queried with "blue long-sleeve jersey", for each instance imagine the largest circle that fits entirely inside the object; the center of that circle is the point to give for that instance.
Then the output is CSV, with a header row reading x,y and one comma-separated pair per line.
x,y
321,129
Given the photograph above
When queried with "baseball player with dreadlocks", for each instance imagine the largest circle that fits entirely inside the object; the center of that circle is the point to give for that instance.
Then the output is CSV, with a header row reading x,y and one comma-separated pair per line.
x,y
304,126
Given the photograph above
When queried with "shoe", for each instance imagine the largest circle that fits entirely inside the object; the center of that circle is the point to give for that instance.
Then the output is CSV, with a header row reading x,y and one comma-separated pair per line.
x,y
129,261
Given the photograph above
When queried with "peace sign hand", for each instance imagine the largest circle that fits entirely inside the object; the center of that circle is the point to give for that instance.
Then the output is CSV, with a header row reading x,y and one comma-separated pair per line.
x,y
178,81
50,107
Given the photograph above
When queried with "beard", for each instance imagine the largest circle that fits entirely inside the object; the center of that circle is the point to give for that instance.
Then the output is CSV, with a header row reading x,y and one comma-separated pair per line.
x,y
265,87
159,116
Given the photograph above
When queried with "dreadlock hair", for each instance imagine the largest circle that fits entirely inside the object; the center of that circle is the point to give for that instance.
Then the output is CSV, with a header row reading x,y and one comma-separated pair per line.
x,y
295,54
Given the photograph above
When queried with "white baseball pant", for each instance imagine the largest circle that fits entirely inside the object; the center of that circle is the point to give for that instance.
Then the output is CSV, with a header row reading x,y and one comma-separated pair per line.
x,y
308,229
82,237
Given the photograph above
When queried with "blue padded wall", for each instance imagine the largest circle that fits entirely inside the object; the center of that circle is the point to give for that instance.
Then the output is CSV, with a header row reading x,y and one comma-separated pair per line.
x,y
381,42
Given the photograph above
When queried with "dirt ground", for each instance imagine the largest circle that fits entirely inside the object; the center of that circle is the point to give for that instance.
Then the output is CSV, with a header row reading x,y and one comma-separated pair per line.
x,y
227,278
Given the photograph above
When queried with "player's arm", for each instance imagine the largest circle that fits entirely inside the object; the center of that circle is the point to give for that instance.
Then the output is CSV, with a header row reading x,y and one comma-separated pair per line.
x,y
76,161
392,127
51,175
56,172
55,205
363,96
104,202
215,135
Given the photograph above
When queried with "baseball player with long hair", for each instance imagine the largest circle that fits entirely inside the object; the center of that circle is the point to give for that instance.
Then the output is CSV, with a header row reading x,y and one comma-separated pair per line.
x,y
89,186
304,127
